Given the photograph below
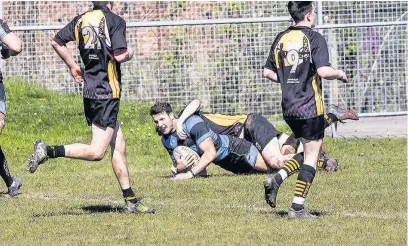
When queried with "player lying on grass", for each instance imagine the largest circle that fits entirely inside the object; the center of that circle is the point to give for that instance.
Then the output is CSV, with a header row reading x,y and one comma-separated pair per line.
x,y
229,152
260,132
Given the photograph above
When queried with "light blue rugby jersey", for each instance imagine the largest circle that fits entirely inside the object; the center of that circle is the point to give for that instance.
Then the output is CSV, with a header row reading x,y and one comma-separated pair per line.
x,y
197,132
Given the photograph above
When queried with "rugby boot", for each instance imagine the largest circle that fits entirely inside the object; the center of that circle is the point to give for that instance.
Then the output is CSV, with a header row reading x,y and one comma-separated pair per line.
x,y
138,207
13,189
343,114
327,163
301,214
39,156
271,190
331,165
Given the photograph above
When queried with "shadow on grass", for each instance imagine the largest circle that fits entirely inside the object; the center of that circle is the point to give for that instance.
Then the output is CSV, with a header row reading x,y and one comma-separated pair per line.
x,y
103,209
284,213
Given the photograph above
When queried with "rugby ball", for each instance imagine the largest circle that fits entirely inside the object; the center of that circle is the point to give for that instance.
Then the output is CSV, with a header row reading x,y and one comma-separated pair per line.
x,y
189,158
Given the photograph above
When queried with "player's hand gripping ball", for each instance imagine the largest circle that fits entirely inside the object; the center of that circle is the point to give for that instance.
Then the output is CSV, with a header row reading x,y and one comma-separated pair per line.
x,y
186,158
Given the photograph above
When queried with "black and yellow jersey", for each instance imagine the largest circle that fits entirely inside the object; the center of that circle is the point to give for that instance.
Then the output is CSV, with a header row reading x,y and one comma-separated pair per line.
x,y
99,35
223,124
295,56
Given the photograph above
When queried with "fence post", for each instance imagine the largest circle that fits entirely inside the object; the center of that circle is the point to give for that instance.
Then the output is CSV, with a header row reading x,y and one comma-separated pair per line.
x,y
406,63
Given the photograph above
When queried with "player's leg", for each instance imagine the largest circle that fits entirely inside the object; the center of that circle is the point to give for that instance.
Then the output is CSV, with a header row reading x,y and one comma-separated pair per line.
x,y
263,166
274,180
291,167
293,145
273,156
12,183
290,143
101,116
311,136
263,135
326,163
92,152
120,168
119,164
4,170
305,179
95,151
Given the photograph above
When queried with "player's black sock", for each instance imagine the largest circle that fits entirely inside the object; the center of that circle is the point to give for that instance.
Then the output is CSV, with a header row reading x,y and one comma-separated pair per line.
x,y
55,151
292,166
303,183
4,170
329,119
129,195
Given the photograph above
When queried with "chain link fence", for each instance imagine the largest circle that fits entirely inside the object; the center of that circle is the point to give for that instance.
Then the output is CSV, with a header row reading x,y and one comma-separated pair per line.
x,y
215,51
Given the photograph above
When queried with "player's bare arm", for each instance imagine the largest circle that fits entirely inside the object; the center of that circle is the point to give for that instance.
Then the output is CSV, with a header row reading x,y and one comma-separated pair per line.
x,y
62,52
331,73
11,44
189,110
271,75
126,56
207,146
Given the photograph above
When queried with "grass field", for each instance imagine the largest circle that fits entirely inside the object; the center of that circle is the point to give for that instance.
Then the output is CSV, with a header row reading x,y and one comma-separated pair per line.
x,y
69,202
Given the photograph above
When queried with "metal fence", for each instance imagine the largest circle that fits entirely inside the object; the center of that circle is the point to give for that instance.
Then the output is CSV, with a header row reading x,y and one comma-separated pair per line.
x,y
215,51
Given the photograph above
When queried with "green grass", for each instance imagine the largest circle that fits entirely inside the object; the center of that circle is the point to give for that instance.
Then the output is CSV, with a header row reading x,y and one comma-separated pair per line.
x,y
70,202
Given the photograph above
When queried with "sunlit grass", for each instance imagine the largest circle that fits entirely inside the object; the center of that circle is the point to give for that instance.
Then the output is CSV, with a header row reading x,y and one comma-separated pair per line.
x,y
70,202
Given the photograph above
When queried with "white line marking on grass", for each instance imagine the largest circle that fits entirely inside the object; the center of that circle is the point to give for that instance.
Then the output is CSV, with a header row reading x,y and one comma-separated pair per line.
x,y
253,208
371,216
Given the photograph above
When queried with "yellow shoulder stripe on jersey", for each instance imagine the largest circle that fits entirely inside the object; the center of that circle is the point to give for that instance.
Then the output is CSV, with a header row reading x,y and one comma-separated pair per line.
x,y
226,120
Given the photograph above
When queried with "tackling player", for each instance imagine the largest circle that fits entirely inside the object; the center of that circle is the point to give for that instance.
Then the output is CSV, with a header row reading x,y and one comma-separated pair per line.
x,y
261,133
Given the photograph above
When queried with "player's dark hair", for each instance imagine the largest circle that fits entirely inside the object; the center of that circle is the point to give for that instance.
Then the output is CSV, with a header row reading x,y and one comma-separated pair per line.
x,y
299,9
101,3
160,107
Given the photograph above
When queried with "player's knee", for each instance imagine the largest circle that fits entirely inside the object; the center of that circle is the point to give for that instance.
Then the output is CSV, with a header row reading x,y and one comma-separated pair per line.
x,y
251,118
98,154
288,150
250,123
98,157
